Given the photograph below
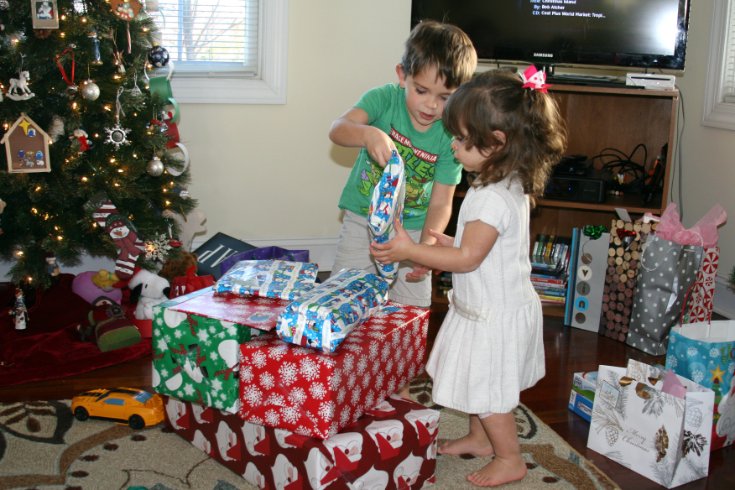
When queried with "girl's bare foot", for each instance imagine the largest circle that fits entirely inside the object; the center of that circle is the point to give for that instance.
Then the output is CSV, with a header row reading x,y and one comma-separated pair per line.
x,y
476,446
498,472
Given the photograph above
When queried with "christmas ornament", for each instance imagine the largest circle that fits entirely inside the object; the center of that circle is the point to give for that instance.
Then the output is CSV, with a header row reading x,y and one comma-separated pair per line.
x,y
122,232
20,312
71,87
2,208
81,139
151,5
90,90
155,167
4,4
45,14
158,56
18,87
56,128
180,155
96,56
117,135
27,147
125,9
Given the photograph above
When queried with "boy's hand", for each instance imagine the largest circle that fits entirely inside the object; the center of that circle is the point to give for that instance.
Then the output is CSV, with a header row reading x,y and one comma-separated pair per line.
x,y
379,145
417,273
395,250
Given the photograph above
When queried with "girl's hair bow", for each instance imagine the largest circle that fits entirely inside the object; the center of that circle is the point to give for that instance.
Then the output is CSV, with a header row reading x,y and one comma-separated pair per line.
x,y
534,79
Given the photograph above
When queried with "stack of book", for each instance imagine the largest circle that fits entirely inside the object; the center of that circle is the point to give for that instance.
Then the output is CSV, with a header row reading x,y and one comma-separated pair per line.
x,y
549,267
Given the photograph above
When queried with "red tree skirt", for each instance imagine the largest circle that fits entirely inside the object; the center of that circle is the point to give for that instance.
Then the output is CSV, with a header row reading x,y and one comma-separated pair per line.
x,y
50,347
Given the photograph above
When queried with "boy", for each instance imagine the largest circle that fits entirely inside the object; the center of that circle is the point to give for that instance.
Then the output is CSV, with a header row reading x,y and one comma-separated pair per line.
x,y
406,117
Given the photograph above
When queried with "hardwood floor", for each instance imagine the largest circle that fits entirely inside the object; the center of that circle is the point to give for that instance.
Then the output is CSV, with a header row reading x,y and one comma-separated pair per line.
x,y
568,350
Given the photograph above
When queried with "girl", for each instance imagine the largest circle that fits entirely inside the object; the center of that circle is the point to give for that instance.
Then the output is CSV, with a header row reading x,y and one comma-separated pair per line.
x,y
508,133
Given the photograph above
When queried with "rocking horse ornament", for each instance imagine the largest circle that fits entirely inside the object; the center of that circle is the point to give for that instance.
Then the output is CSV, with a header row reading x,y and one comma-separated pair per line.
x,y
18,87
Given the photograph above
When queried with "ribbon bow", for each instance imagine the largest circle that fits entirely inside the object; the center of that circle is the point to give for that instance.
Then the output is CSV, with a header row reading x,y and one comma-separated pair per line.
x,y
534,79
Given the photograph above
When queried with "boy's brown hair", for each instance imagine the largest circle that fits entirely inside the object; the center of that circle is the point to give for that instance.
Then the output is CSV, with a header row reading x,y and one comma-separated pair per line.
x,y
444,46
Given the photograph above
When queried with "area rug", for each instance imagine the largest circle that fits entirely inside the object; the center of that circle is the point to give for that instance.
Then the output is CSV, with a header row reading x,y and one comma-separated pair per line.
x,y
42,446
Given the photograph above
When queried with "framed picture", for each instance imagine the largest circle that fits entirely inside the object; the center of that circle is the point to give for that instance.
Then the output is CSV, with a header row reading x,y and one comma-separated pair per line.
x,y
45,14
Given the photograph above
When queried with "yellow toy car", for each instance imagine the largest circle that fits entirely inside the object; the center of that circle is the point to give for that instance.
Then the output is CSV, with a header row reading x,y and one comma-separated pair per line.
x,y
134,406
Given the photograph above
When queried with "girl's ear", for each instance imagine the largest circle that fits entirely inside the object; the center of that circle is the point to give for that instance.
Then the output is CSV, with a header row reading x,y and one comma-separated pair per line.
x,y
401,75
499,144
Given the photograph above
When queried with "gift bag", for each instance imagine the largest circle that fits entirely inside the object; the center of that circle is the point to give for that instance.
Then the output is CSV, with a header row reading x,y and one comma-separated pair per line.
x,y
666,273
700,301
705,353
387,204
661,432
264,253
623,255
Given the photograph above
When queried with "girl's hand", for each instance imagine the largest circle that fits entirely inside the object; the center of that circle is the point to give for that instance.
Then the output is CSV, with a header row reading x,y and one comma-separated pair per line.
x,y
442,240
379,146
417,273
395,250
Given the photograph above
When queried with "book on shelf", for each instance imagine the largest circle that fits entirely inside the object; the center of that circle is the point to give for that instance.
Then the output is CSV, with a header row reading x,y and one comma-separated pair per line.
x,y
571,275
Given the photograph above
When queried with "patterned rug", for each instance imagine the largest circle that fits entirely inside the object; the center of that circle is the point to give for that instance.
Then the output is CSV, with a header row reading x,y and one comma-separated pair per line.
x,y
42,446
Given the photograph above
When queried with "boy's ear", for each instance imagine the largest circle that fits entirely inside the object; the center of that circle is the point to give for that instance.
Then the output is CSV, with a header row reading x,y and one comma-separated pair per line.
x,y
401,75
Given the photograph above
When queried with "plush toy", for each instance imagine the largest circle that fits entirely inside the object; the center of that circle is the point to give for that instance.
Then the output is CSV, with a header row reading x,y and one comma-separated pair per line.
x,y
108,326
176,265
94,285
149,289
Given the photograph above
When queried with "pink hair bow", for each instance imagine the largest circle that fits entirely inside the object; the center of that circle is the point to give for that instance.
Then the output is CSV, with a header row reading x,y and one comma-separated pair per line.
x,y
534,79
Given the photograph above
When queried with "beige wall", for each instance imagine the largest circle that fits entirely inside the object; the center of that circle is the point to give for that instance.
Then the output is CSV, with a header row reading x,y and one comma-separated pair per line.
x,y
270,172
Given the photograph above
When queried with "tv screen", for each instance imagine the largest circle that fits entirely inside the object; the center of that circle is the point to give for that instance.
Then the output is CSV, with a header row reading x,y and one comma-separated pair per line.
x,y
621,33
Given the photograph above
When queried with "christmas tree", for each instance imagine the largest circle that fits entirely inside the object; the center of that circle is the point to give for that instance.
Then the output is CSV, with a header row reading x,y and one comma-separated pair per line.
x,y
88,123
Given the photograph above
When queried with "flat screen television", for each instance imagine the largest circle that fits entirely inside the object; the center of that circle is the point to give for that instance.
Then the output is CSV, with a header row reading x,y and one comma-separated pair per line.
x,y
640,34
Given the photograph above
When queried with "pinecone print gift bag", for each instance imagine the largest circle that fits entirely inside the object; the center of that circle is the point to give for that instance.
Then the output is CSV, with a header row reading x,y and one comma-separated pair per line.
x,y
655,424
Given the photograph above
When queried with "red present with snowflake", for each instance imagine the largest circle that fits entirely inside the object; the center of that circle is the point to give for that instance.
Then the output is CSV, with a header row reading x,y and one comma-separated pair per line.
x,y
393,446
196,344
315,394
700,300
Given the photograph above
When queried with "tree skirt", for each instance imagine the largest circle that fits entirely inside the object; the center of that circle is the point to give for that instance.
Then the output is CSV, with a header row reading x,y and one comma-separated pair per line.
x,y
43,446
50,348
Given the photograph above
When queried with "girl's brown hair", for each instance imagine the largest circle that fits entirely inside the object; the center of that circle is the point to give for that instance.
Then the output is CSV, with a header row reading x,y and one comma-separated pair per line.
x,y
535,133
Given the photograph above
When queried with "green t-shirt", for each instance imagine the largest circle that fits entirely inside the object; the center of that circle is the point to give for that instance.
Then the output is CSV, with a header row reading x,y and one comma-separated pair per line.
x,y
427,156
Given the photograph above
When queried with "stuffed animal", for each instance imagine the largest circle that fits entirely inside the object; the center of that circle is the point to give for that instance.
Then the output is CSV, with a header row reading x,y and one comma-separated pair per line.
x,y
176,265
149,289
108,326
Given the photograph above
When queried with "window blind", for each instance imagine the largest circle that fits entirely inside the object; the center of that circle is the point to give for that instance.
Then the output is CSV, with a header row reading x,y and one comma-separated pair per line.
x,y
211,38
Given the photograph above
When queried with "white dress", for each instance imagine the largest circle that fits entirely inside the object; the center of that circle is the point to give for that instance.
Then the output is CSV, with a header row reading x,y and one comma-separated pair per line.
x,y
490,346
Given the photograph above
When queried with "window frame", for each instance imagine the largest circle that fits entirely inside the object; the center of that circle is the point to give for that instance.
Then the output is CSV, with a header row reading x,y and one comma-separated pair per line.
x,y
267,88
718,113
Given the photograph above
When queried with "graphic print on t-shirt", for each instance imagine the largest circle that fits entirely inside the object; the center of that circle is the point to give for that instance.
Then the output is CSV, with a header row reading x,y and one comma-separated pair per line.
x,y
420,166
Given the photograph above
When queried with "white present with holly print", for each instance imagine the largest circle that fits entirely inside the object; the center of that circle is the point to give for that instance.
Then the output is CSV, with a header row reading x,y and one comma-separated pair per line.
x,y
316,394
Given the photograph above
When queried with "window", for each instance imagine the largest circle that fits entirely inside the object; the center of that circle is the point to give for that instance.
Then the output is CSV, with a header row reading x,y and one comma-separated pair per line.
x,y
226,51
719,104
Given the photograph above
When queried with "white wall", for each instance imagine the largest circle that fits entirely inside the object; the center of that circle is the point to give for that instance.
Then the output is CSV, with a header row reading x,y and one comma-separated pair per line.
x,y
269,172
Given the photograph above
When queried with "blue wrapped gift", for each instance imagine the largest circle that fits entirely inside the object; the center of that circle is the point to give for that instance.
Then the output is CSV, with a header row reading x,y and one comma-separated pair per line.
x,y
385,206
324,316
269,278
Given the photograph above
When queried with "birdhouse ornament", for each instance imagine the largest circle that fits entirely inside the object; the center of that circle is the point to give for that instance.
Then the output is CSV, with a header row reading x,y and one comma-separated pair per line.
x,y
27,147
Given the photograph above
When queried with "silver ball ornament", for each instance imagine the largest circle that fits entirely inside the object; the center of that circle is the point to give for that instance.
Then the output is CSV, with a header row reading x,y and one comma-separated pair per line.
x,y
155,167
90,90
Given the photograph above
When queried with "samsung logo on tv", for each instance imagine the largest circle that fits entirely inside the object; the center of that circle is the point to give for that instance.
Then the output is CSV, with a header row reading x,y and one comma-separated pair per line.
x,y
543,55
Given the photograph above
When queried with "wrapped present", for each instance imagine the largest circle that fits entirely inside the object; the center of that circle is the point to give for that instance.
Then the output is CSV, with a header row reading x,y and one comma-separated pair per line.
x,y
391,447
315,393
196,344
265,253
386,205
323,317
268,278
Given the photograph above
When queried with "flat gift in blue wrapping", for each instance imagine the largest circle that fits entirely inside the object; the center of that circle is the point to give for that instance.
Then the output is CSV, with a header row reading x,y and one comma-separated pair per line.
x,y
324,316
269,278
387,205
